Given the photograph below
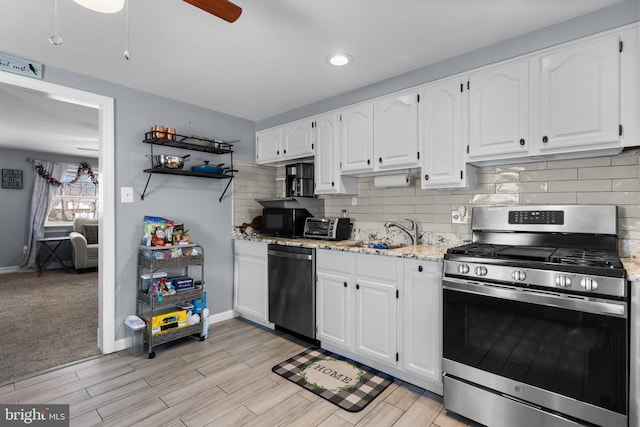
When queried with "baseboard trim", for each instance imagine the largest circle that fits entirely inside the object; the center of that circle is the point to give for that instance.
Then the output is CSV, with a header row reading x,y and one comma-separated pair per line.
x,y
220,317
13,269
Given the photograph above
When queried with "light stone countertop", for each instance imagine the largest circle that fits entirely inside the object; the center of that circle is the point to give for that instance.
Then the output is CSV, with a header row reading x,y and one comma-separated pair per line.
x,y
632,265
422,252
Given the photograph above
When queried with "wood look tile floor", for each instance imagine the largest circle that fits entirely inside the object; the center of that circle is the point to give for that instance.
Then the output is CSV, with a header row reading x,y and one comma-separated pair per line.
x,y
224,381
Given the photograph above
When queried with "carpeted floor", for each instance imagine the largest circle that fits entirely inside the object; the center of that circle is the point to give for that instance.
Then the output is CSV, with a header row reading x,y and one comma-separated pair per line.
x,y
46,321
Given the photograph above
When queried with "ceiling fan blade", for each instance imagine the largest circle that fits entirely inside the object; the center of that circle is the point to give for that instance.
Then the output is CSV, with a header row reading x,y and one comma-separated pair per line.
x,y
223,9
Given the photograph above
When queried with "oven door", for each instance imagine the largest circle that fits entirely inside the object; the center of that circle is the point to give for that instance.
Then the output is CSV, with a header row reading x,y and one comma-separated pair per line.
x,y
565,354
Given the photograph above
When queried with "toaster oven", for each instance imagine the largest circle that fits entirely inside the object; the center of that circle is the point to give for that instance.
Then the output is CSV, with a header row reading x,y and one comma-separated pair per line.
x,y
327,228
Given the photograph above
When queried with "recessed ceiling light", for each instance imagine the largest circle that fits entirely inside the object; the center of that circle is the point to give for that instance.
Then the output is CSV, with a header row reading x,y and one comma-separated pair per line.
x,y
339,59
102,6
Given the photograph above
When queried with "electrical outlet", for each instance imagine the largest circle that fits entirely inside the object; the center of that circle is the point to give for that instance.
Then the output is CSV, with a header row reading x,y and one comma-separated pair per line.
x,y
354,201
460,215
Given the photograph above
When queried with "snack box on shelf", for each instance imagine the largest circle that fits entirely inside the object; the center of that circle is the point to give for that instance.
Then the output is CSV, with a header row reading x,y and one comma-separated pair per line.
x,y
167,321
182,283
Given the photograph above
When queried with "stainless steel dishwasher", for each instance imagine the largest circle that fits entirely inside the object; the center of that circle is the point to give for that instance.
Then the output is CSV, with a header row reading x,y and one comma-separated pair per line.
x,y
292,294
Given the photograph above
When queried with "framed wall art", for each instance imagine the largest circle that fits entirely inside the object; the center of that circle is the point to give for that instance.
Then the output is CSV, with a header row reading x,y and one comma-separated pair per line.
x,y
12,178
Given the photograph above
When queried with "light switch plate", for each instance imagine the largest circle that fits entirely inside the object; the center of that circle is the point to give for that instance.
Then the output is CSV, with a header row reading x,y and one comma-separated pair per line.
x,y
126,194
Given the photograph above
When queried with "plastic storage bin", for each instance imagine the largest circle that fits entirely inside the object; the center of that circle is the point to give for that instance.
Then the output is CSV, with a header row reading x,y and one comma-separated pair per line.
x,y
134,328
148,279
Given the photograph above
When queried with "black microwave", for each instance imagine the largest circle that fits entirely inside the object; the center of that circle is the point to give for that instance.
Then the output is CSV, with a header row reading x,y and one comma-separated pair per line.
x,y
284,222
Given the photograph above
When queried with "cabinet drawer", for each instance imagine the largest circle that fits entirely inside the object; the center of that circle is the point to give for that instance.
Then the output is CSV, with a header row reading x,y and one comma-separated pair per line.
x,y
381,268
255,249
333,261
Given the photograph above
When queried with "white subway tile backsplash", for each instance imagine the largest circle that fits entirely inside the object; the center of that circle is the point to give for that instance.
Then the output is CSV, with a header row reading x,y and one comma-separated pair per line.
x,y
549,175
608,172
548,199
599,180
521,168
619,198
580,186
495,199
522,187
452,199
579,163
497,178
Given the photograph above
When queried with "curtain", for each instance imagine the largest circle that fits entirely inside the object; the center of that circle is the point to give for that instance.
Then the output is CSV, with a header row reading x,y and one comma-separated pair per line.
x,y
41,198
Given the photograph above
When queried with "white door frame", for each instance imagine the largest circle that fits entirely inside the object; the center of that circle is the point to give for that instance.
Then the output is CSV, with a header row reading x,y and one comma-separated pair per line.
x,y
106,127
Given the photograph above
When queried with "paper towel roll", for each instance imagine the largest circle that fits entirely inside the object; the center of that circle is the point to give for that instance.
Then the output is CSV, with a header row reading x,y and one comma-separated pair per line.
x,y
397,180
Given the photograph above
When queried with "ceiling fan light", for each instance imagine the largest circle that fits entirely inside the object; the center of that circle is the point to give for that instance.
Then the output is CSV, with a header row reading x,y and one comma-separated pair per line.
x,y
339,59
102,6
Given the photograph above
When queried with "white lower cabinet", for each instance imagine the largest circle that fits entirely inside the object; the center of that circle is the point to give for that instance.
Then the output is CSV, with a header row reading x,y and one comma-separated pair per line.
x,y
382,311
333,298
376,301
250,281
422,319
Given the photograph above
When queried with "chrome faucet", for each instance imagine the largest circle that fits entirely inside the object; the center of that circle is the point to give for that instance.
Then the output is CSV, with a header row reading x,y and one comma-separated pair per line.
x,y
413,232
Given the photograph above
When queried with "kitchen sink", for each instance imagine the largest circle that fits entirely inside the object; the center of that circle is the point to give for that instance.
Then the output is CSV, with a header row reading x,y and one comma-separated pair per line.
x,y
372,245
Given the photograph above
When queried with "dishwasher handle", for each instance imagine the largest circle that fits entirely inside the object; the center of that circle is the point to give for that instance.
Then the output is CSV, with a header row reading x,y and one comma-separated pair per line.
x,y
290,255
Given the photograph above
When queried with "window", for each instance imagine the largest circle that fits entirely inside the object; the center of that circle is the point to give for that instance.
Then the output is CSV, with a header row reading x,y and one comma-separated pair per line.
x,y
79,199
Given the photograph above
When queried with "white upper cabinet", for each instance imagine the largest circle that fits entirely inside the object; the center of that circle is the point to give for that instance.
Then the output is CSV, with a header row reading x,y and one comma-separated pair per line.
x,y
499,112
356,138
268,145
328,179
577,102
280,144
395,135
298,140
443,136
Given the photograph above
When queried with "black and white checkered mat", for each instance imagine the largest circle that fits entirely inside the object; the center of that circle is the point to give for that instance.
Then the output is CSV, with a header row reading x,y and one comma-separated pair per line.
x,y
344,382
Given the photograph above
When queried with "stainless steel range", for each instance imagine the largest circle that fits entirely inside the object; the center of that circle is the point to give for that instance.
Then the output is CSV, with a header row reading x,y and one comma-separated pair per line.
x,y
536,321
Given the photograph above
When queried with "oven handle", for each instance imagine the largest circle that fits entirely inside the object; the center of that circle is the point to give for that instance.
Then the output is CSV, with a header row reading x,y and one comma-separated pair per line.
x,y
552,299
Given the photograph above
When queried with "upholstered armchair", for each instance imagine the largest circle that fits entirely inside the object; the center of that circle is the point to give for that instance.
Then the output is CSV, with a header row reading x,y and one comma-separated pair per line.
x,y
84,243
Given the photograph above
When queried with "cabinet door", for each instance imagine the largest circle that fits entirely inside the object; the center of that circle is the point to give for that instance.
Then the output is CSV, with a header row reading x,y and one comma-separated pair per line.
x,y
443,137
268,143
422,319
333,311
298,141
579,94
326,161
396,131
250,280
356,138
499,112
328,178
376,322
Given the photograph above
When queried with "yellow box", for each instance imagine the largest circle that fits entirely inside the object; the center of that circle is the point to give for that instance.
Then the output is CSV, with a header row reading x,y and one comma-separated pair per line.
x,y
166,322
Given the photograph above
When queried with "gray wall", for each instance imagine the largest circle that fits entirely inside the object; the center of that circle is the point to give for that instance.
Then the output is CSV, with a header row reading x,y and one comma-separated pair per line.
x,y
16,204
192,201
623,13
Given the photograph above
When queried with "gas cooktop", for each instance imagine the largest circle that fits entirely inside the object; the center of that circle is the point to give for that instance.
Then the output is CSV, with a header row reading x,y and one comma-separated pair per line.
x,y
577,260
565,256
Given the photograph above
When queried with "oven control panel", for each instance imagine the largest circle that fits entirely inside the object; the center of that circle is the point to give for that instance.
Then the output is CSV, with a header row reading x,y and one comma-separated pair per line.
x,y
562,281
536,217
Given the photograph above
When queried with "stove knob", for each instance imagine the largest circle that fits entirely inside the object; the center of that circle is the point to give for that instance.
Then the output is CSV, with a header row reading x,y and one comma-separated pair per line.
x,y
589,284
519,275
463,268
563,281
481,270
